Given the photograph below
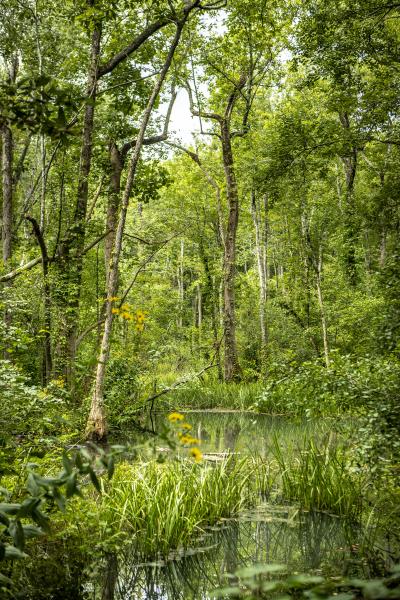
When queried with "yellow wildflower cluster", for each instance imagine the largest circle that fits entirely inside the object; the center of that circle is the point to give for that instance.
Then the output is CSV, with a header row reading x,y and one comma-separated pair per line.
x,y
175,416
59,382
184,437
125,312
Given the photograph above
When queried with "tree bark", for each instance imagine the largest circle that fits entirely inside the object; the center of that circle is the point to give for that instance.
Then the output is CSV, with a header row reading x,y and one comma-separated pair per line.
x,y
232,370
47,371
322,308
350,234
70,255
261,254
7,224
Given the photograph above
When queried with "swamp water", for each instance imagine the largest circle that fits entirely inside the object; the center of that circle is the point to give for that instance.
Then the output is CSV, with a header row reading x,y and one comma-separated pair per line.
x,y
314,543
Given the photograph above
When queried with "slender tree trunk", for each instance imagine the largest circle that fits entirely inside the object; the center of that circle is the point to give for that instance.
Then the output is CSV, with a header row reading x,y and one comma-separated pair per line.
x,y
322,307
116,163
181,289
232,371
7,215
47,372
262,274
96,425
350,232
7,226
44,182
71,250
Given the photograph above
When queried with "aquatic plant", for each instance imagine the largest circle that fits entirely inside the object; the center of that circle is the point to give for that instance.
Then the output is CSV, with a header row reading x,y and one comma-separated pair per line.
x,y
163,506
318,477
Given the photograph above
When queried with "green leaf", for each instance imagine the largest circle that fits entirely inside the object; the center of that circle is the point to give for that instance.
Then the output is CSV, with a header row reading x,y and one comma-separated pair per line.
x,y
9,508
13,553
71,485
17,533
95,480
110,467
67,464
41,519
247,572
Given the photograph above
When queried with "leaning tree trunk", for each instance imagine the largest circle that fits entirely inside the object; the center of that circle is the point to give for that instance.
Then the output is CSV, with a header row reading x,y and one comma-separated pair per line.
x,y
232,371
96,427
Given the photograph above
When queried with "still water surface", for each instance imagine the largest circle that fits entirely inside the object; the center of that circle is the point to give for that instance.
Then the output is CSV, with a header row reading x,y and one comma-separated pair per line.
x,y
271,533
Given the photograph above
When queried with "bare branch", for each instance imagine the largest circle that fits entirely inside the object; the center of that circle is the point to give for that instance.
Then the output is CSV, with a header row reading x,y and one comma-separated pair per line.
x,y
133,46
40,239
95,198
96,241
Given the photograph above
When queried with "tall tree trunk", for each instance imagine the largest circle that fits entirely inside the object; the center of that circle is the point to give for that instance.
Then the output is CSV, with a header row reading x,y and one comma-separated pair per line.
x,y
7,224
47,371
96,425
350,231
7,215
181,289
232,371
261,254
117,164
322,307
71,248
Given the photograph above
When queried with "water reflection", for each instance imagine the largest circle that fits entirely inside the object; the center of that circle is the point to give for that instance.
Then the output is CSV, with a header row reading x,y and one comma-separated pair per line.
x,y
305,542
247,432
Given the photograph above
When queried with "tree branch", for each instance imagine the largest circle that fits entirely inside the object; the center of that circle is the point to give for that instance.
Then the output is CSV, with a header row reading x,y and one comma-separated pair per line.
x,y
12,274
142,266
155,139
196,112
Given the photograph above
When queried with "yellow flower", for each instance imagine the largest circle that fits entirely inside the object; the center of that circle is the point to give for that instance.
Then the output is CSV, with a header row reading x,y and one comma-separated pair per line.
x,y
196,454
175,416
188,439
126,307
113,299
115,311
185,426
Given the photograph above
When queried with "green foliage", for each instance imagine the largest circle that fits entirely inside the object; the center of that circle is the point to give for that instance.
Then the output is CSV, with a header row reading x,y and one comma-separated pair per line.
x,y
28,410
27,518
39,105
122,390
262,581
348,384
201,395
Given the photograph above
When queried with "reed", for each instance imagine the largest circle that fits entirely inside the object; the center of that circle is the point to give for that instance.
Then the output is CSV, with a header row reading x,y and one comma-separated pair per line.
x,y
319,478
215,395
162,507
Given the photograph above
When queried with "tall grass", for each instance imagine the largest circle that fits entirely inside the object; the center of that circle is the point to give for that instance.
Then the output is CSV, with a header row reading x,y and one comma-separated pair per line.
x,y
215,395
318,477
161,507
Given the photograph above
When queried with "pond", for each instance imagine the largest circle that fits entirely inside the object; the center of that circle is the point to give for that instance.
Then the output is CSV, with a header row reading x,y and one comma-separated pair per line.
x,y
314,543
272,532
304,542
246,432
